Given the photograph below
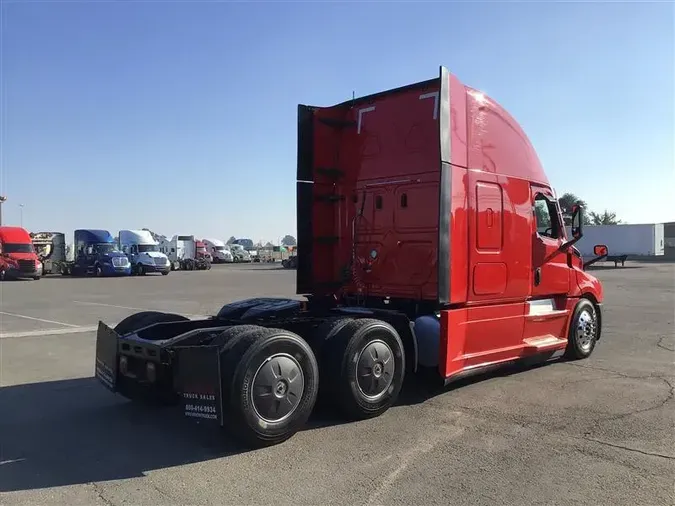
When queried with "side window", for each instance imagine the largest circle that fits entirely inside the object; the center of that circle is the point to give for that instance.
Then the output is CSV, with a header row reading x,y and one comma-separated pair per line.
x,y
546,216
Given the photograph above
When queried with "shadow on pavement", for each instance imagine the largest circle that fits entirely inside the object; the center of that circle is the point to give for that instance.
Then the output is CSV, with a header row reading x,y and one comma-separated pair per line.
x,y
74,432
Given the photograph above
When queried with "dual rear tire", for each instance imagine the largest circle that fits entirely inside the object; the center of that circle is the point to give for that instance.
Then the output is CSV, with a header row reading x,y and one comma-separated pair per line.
x,y
270,377
362,366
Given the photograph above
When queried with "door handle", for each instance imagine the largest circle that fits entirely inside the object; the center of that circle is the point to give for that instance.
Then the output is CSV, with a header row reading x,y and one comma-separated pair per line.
x,y
537,276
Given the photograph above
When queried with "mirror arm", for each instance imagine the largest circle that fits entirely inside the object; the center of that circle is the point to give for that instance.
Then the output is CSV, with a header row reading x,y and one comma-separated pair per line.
x,y
593,260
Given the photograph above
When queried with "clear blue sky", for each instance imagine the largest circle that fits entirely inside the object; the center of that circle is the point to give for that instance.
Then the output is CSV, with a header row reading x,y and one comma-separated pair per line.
x,y
181,117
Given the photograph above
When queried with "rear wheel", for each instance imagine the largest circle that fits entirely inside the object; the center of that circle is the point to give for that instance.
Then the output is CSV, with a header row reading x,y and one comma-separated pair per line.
x,y
584,331
270,383
363,367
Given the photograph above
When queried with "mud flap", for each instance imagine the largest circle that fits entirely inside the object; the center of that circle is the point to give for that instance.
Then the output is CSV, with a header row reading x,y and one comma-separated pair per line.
x,y
106,356
197,381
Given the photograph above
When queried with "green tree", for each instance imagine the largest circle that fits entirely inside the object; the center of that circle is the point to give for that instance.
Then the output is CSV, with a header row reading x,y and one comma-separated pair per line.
x,y
567,202
543,218
606,218
289,240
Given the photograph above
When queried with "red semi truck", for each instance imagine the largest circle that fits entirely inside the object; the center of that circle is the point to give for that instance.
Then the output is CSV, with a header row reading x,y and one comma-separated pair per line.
x,y
429,237
17,254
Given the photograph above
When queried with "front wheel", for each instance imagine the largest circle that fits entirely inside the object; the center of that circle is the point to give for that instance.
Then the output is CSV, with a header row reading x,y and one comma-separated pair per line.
x,y
363,367
584,331
165,273
98,271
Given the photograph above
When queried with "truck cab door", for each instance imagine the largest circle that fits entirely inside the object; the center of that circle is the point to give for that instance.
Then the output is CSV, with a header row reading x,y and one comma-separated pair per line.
x,y
550,272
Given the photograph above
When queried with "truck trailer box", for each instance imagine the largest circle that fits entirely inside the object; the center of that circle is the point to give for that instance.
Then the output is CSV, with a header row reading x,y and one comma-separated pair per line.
x,y
632,240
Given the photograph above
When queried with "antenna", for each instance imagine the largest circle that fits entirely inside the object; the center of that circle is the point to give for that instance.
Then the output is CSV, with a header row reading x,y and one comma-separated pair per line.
x,y
353,98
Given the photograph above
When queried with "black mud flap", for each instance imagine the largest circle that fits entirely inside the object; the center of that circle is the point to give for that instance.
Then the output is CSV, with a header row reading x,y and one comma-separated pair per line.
x,y
107,341
197,381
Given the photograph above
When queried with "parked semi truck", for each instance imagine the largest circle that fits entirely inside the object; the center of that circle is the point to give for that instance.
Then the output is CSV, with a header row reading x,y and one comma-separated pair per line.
x,y
239,254
625,241
418,248
50,248
247,245
17,255
143,252
218,250
95,253
181,250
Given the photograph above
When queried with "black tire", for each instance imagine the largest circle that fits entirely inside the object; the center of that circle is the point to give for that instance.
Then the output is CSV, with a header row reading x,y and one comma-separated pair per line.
x,y
165,273
36,278
584,331
274,358
98,272
357,346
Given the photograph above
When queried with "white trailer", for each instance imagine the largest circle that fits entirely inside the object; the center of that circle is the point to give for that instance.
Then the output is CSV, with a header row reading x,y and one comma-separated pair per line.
x,y
179,249
51,249
218,251
623,241
143,252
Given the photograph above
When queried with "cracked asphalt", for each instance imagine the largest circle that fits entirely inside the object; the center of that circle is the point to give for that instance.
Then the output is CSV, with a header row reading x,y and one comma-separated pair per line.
x,y
599,431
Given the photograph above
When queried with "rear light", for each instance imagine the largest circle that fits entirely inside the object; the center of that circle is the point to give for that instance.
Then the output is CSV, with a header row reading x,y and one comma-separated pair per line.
x,y
151,372
124,365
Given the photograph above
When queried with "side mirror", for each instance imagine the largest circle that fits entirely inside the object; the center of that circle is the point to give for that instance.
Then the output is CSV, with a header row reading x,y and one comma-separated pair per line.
x,y
577,222
600,250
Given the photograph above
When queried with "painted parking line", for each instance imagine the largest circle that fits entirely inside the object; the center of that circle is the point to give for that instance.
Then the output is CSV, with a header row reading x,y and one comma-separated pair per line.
x,y
48,332
85,303
15,315
72,329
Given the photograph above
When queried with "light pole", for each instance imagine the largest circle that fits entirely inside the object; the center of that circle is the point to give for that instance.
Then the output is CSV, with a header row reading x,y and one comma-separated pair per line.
x,y
3,198
21,215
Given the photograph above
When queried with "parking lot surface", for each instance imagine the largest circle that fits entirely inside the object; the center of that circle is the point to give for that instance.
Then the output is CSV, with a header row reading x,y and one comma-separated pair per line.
x,y
597,431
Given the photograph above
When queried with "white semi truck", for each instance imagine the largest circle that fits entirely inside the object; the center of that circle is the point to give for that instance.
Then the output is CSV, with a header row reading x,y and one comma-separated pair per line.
x,y
143,252
219,251
182,252
51,249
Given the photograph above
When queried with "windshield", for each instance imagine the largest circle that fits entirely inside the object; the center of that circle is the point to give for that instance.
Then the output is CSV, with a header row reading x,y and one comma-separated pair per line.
x,y
219,248
144,248
17,248
237,247
105,247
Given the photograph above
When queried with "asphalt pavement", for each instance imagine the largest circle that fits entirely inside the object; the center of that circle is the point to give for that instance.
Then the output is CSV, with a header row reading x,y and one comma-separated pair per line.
x,y
598,432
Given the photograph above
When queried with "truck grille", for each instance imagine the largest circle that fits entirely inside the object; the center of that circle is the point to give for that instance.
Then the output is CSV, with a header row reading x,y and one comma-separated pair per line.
x,y
120,261
161,261
27,266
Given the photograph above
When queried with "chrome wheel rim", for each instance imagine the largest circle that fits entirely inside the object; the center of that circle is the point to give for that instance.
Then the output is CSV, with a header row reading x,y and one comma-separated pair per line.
x,y
585,331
